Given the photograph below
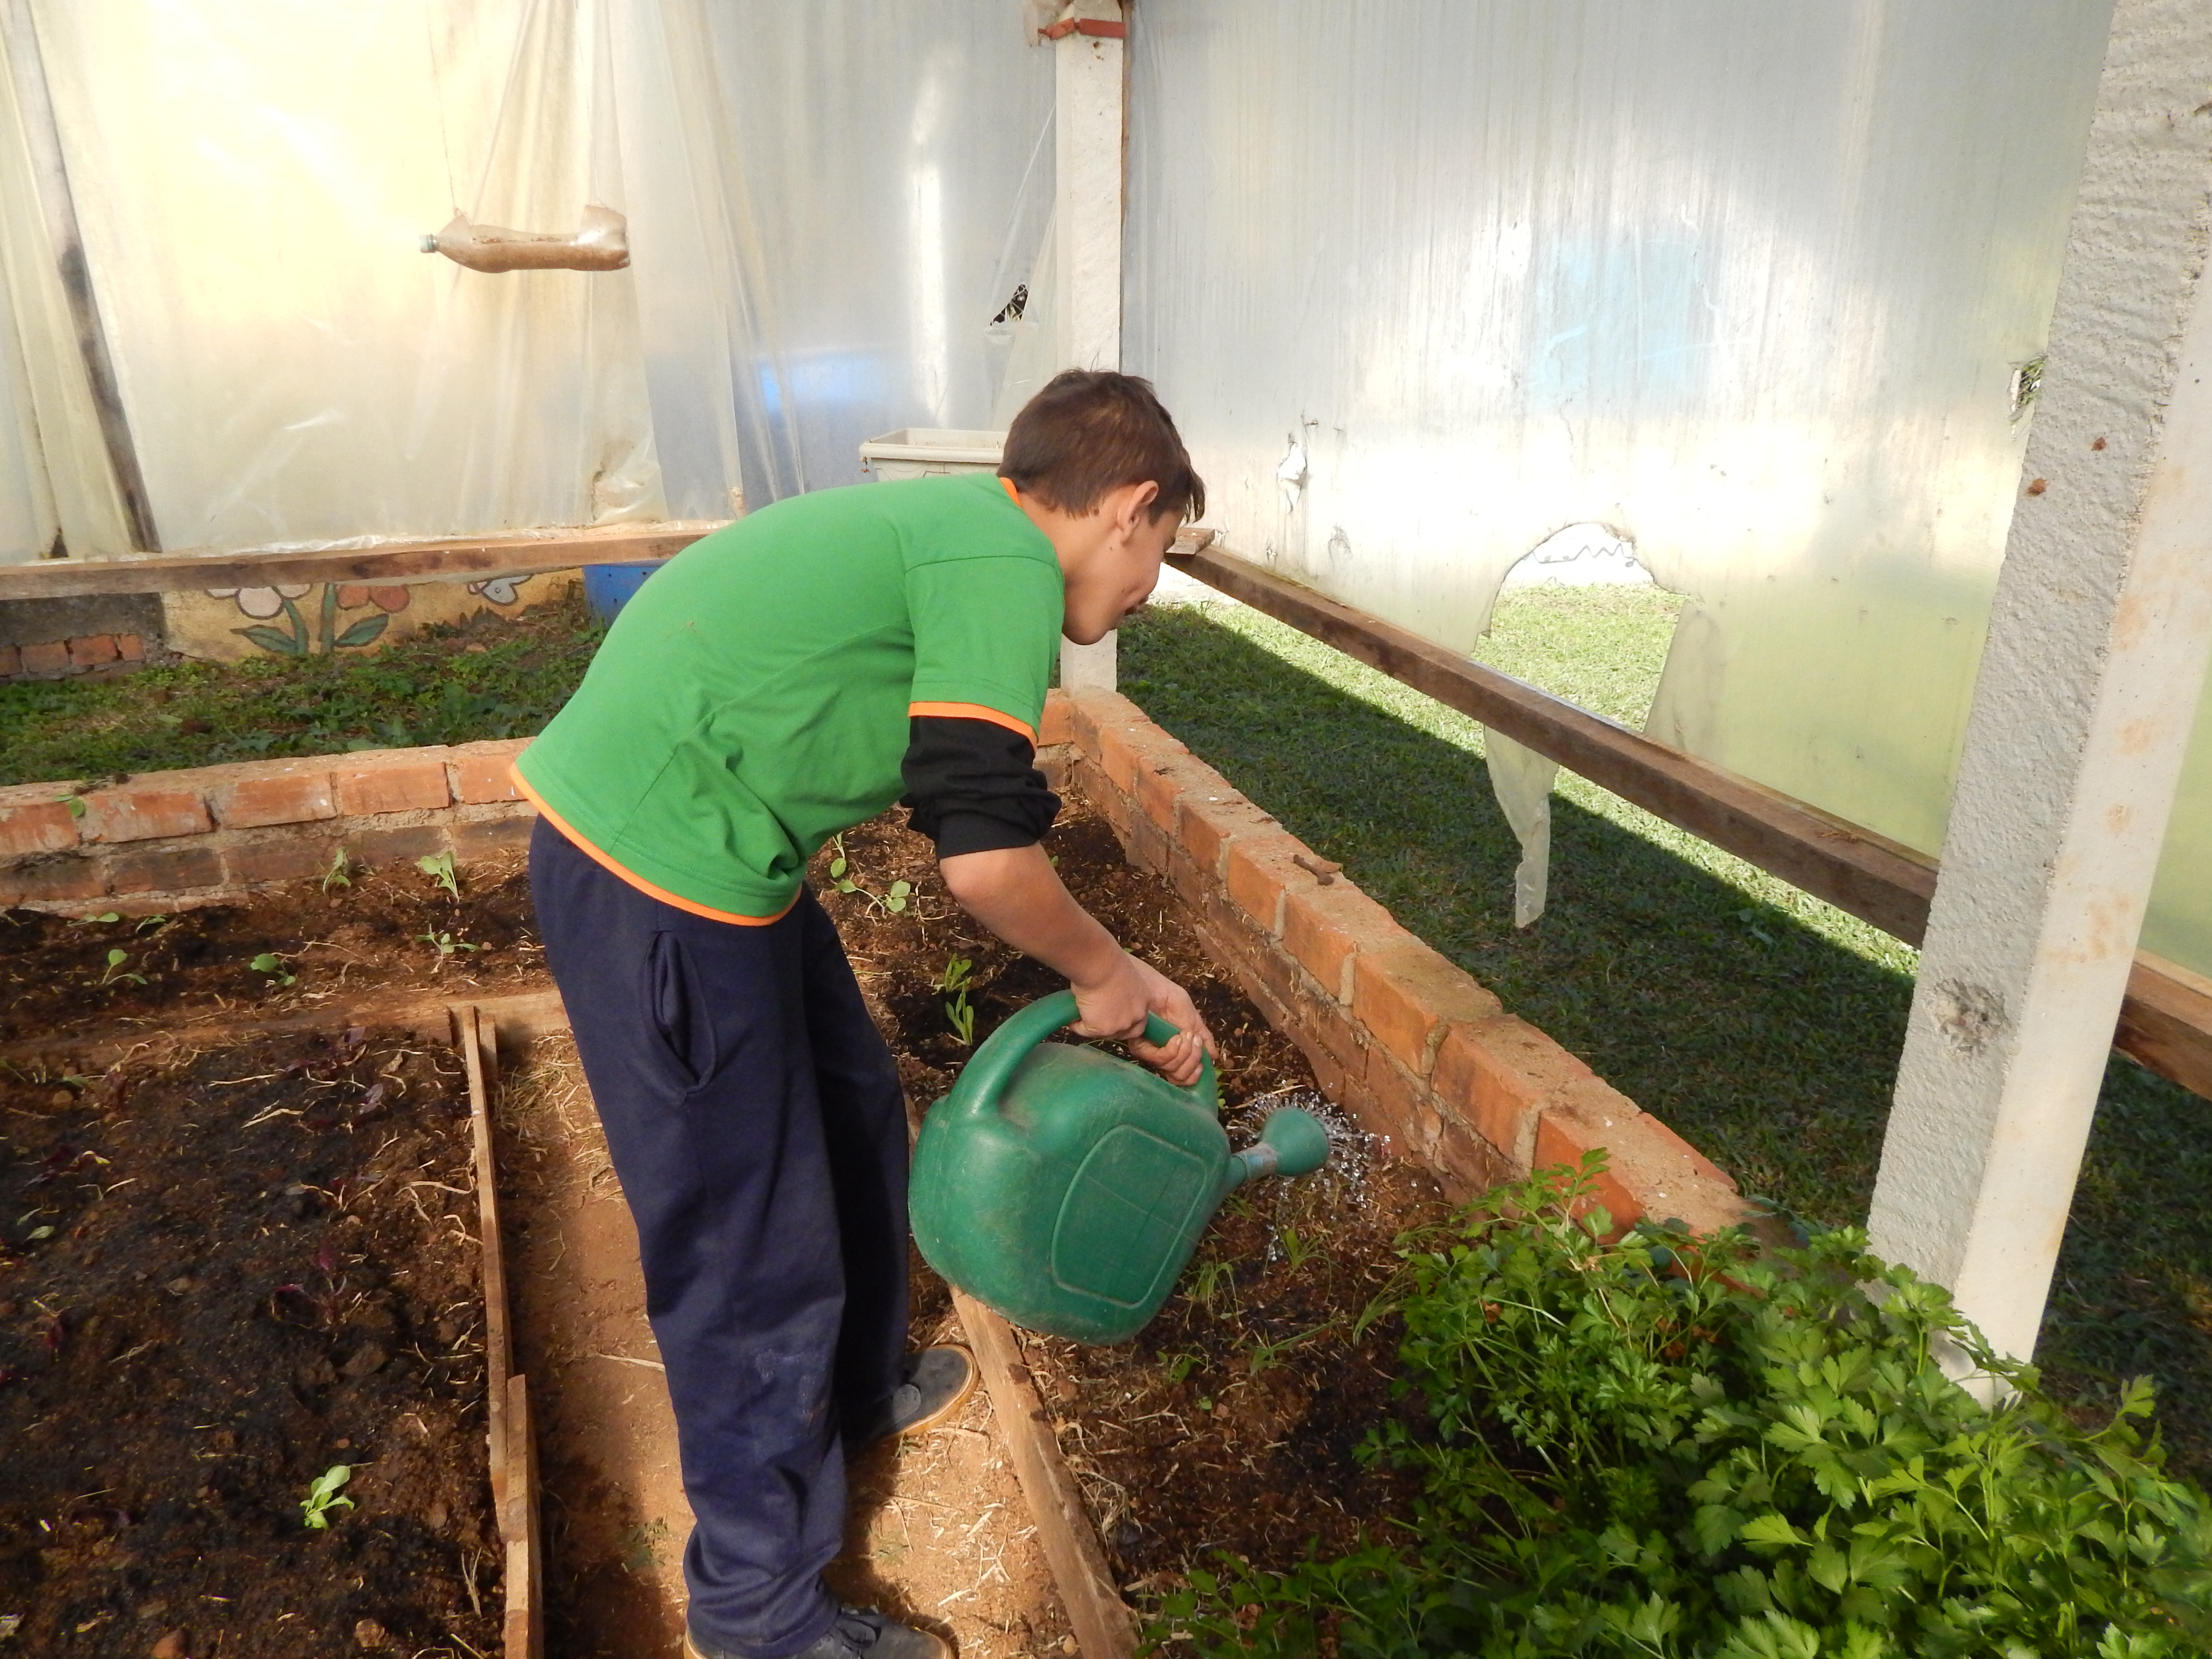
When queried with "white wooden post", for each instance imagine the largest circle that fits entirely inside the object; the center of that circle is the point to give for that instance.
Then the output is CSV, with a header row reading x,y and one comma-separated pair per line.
x,y
2088,683
1089,116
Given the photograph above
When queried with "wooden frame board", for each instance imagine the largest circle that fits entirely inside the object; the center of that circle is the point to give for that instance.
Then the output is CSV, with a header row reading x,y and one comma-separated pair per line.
x,y
2166,1022
456,559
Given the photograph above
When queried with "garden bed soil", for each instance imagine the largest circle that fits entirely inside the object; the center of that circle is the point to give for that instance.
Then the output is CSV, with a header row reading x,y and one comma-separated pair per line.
x,y
221,1272
378,935
1233,1421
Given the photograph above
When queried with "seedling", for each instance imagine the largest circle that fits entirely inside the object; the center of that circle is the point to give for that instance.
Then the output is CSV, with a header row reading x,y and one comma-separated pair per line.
x,y
1182,1364
1213,1282
115,969
439,866
336,875
93,922
271,964
1296,1249
445,943
1266,1356
955,981
144,922
322,1496
894,899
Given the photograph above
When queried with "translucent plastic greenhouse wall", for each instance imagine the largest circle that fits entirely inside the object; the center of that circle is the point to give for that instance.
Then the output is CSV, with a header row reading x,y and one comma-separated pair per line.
x,y
823,204
1749,284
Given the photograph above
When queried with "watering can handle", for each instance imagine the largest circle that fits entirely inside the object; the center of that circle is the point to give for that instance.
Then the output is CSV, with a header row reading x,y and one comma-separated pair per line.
x,y
988,1074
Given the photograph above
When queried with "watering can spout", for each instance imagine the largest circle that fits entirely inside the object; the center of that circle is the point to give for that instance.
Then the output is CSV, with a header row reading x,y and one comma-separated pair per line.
x,y
1292,1144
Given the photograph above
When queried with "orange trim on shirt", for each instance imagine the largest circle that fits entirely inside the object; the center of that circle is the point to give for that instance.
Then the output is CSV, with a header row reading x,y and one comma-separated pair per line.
x,y
1012,493
972,711
633,878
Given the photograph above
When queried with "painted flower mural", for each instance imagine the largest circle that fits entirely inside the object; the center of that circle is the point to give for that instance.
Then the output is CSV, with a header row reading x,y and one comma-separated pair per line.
x,y
295,638
280,622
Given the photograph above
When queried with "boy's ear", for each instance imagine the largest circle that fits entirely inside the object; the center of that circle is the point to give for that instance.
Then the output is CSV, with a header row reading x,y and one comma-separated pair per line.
x,y
1136,507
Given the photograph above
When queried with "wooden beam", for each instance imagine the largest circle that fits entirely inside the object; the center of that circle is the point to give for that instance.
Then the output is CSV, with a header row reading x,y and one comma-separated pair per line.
x,y
1104,1626
460,559
2166,1022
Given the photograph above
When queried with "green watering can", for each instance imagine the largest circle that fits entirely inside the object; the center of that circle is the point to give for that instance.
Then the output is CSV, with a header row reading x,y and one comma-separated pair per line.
x,y
1066,1188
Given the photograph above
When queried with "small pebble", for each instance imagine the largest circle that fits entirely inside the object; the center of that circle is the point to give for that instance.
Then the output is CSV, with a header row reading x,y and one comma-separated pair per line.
x,y
1067,1645
435,1520
61,1098
171,1646
180,1285
371,1635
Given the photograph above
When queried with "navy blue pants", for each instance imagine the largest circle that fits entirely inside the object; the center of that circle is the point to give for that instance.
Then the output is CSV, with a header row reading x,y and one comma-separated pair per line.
x,y
756,1122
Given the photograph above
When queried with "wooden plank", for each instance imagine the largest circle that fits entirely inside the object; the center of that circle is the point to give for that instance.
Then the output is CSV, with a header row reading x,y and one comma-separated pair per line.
x,y
499,1351
2166,1022
460,559
1104,1627
524,1631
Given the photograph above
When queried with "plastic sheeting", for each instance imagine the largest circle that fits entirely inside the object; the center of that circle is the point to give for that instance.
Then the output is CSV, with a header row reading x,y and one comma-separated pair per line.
x,y
827,208
253,183
874,182
1748,285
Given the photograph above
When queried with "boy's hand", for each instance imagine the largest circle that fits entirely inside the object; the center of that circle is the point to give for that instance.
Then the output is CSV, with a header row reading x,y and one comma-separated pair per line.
x,y
1116,1004
1015,892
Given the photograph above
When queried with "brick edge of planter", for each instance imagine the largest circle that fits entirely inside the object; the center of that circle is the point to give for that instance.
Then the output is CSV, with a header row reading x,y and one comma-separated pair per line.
x,y
166,839
1410,1044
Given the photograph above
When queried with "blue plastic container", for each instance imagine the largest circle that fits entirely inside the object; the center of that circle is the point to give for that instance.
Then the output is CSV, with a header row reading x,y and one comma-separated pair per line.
x,y
607,588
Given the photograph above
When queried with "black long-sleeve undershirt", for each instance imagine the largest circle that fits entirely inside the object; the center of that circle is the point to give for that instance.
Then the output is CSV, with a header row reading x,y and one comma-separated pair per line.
x,y
973,786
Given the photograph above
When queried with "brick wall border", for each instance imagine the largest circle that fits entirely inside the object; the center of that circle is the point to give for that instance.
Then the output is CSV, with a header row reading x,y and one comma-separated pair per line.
x,y
1408,1041
168,840
58,659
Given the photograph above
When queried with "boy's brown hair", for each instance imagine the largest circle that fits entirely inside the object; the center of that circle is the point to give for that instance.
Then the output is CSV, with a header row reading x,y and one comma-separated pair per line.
x,y
1092,430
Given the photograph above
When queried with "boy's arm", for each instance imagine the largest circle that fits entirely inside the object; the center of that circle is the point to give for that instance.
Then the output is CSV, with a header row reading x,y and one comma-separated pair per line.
x,y
974,789
1015,892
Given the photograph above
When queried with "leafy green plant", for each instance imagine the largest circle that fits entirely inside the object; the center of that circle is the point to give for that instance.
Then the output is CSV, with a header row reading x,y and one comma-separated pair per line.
x,y
322,1496
1671,1446
439,866
271,964
445,944
115,971
955,981
1296,1248
337,875
94,921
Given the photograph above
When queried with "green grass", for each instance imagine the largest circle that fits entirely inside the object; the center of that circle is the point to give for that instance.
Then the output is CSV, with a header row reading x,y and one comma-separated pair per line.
x,y
486,678
1760,1023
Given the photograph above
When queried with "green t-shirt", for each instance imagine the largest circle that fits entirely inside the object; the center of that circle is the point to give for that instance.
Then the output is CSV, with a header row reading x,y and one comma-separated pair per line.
x,y
751,700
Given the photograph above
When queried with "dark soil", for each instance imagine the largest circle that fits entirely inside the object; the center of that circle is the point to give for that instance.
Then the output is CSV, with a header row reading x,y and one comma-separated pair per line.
x,y
1233,1421
220,1274
339,944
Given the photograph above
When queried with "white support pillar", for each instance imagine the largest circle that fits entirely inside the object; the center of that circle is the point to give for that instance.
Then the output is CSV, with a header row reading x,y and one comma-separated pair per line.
x,y
2096,650
1088,119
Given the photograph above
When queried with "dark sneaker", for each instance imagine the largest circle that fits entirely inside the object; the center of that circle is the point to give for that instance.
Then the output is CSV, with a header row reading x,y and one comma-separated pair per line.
x,y
858,1633
938,1384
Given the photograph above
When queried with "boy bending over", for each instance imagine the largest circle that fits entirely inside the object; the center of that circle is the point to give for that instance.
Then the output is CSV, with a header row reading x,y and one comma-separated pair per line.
x,y
786,677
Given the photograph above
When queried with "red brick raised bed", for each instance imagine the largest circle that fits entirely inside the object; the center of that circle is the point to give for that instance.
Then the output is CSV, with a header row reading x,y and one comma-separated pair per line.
x,y
1406,1040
